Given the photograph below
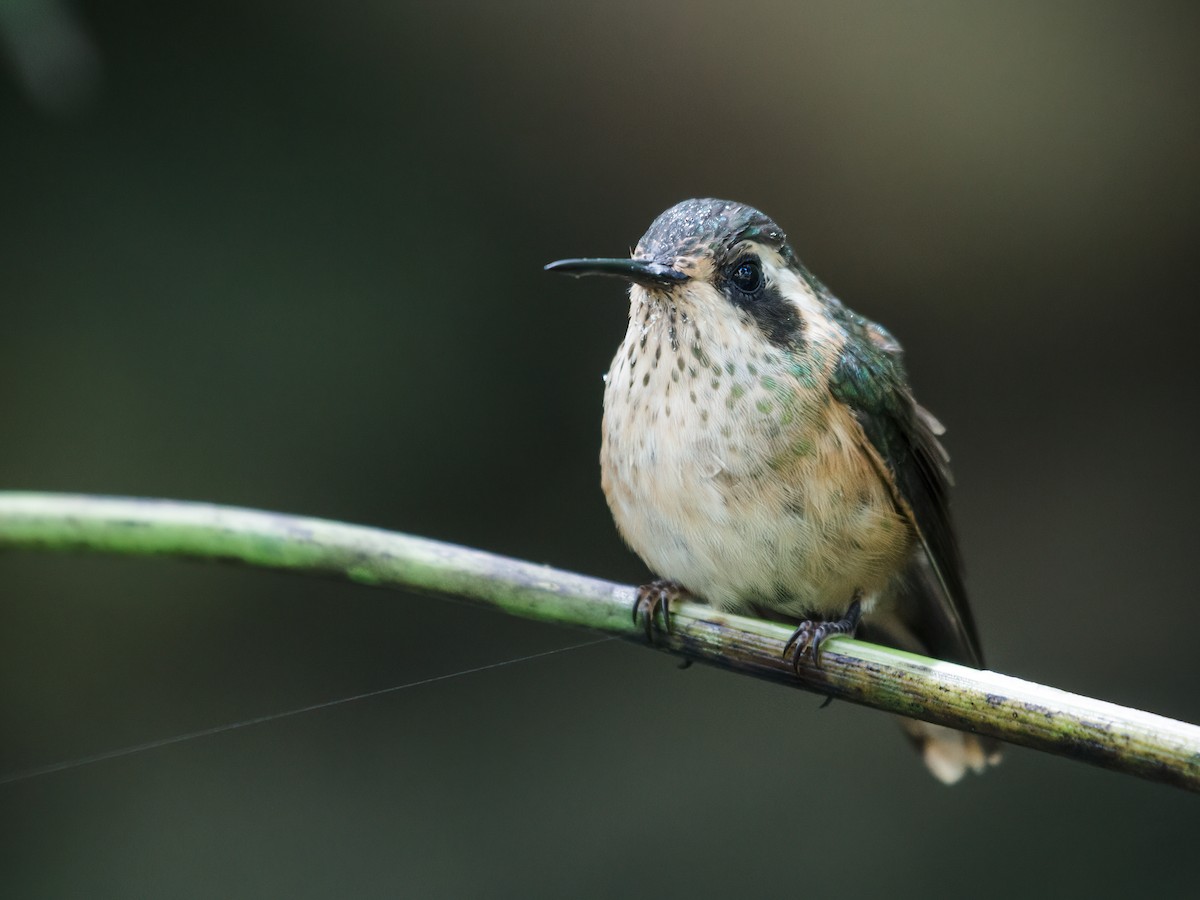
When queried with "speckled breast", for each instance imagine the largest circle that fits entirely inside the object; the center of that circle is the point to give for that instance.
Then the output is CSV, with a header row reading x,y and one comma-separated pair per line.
x,y
729,470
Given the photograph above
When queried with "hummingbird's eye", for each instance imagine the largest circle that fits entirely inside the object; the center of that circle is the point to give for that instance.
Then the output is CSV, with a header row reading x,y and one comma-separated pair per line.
x,y
747,275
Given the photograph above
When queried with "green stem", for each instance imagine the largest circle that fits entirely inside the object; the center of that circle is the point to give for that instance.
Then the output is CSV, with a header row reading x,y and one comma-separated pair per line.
x,y
1013,710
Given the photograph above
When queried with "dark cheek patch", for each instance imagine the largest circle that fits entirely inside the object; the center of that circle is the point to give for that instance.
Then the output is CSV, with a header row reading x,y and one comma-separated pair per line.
x,y
774,316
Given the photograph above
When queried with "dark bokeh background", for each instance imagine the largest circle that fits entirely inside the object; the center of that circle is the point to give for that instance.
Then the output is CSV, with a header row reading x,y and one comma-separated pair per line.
x,y
288,255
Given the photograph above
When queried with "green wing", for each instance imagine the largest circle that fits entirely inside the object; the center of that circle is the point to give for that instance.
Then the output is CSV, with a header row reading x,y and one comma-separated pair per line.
x,y
870,379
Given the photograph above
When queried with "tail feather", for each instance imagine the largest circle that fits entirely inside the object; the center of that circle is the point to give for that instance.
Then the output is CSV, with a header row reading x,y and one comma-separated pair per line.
x,y
950,754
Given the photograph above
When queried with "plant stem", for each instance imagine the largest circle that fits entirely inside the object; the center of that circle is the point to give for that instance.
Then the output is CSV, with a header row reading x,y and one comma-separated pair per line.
x,y
1021,712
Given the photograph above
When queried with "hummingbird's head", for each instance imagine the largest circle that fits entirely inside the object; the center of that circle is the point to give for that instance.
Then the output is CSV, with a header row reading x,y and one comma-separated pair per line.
x,y
715,260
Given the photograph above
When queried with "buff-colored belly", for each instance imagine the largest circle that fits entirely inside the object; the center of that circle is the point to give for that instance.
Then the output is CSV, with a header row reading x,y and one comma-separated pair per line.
x,y
742,512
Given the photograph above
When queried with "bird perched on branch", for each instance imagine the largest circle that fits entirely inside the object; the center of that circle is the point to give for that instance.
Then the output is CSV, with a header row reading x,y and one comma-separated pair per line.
x,y
763,453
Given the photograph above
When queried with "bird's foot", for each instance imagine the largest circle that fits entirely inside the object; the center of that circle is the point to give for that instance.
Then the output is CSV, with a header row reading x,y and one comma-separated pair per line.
x,y
810,635
654,598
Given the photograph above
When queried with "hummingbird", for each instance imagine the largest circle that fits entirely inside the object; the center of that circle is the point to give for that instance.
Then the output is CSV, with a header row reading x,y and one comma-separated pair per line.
x,y
762,452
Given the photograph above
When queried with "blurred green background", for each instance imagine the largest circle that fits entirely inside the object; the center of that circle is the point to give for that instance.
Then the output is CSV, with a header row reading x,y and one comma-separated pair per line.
x,y
288,255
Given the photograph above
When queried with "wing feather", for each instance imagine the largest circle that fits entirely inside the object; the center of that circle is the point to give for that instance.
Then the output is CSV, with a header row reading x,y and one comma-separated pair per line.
x,y
902,438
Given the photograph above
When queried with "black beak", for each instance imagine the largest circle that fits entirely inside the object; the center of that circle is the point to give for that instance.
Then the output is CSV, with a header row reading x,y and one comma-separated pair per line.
x,y
641,271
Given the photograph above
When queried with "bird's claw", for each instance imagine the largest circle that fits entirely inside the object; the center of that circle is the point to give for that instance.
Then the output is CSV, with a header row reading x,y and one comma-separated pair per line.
x,y
654,598
810,635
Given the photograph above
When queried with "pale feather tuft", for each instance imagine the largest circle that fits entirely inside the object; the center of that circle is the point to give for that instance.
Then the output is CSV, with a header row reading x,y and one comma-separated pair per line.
x,y
950,754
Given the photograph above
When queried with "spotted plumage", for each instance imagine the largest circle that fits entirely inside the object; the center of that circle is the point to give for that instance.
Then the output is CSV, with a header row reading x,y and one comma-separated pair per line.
x,y
762,449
